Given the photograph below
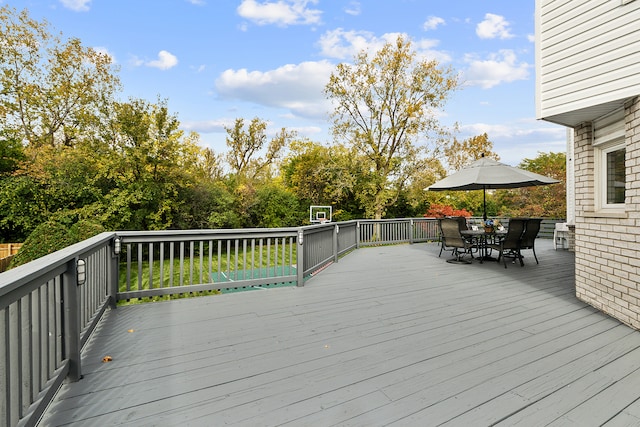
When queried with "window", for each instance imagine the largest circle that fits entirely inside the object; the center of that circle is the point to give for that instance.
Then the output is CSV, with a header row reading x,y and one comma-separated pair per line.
x,y
610,172
615,175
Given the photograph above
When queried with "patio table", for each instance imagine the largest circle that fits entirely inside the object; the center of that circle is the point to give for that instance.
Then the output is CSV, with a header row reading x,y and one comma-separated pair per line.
x,y
484,238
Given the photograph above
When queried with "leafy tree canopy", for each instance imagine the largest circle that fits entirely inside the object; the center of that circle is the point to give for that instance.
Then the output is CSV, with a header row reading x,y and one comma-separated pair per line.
x,y
385,103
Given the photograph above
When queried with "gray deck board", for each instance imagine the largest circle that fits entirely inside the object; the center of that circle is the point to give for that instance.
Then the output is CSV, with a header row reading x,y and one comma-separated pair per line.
x,y
389,335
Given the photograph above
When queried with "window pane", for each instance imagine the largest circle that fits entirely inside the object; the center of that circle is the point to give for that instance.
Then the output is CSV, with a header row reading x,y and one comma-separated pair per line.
x,y
615,176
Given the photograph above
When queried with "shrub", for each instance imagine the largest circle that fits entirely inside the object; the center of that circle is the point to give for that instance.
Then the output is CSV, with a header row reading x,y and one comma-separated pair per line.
x,y
440,211
52,236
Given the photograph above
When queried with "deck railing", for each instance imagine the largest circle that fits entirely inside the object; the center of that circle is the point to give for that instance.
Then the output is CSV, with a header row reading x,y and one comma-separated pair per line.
x,y
50,306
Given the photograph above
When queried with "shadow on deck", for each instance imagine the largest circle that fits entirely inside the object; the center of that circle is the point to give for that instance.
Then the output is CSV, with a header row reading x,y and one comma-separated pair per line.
x,y
389,335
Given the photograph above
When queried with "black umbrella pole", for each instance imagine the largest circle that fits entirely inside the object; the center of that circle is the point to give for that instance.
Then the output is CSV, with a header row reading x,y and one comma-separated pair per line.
x,y
484,202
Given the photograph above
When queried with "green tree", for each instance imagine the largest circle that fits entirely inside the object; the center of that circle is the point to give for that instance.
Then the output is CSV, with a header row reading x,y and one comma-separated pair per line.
x,y
276,207
23,205
152,162
461,153
246,145
11,153
52,91
544,201
321,175
384,104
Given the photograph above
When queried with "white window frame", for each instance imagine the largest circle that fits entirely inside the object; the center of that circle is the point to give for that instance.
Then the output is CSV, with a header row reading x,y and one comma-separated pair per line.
x,y
608,133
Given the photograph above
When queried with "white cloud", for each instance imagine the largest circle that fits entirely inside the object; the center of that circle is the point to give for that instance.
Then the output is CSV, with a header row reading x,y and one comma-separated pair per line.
x,y
353,8
341,44
432,23
493,26
165,61
297,88
207,126
134,61
77,5
498,68
282,12
197,2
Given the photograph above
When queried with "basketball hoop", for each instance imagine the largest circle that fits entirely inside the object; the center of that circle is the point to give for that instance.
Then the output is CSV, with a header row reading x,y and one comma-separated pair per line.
x,y
320,214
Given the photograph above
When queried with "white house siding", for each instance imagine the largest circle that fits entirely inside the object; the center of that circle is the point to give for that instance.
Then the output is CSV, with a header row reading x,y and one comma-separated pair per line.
x,y
607,247
587,69
587,54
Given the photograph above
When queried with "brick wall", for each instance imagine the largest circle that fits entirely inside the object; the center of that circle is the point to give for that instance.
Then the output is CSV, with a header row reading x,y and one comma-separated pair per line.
x,y
608,247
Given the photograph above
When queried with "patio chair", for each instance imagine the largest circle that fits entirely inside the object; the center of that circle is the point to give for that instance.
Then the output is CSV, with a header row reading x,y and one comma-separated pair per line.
x,y
531,230
451,239
508,245
462,225
560,235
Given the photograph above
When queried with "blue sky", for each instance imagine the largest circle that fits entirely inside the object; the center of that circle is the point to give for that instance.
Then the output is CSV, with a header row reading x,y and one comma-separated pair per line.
x,y
217,60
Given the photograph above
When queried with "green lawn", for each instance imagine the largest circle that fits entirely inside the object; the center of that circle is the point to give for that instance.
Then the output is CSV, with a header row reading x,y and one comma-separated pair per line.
x,y
228,269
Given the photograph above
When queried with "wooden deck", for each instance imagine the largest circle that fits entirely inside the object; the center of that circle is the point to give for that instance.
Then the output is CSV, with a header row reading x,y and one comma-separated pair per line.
x,y
388,336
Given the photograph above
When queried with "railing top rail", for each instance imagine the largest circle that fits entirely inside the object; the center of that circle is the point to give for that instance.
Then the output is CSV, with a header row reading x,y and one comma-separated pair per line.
x,y
48,265
393,219
324,225
205,234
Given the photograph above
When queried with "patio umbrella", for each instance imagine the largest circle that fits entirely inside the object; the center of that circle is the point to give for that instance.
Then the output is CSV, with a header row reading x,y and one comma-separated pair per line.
x,y
486,174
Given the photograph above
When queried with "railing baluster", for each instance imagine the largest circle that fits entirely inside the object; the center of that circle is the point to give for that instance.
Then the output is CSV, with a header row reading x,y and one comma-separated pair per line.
x,y
181,283
191,256
285,269
219,259
14,369
268,257
229,258
59,324
161,244
128,267
209,264
26,351
36,349
261,244
275,256
244,258
140,261
150,265
44,335
235,258
171,262
253,260
291,243
6,368
201,256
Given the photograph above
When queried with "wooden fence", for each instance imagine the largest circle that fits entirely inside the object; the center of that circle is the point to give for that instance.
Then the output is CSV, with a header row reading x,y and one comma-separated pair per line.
x,y
7,252
8,249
